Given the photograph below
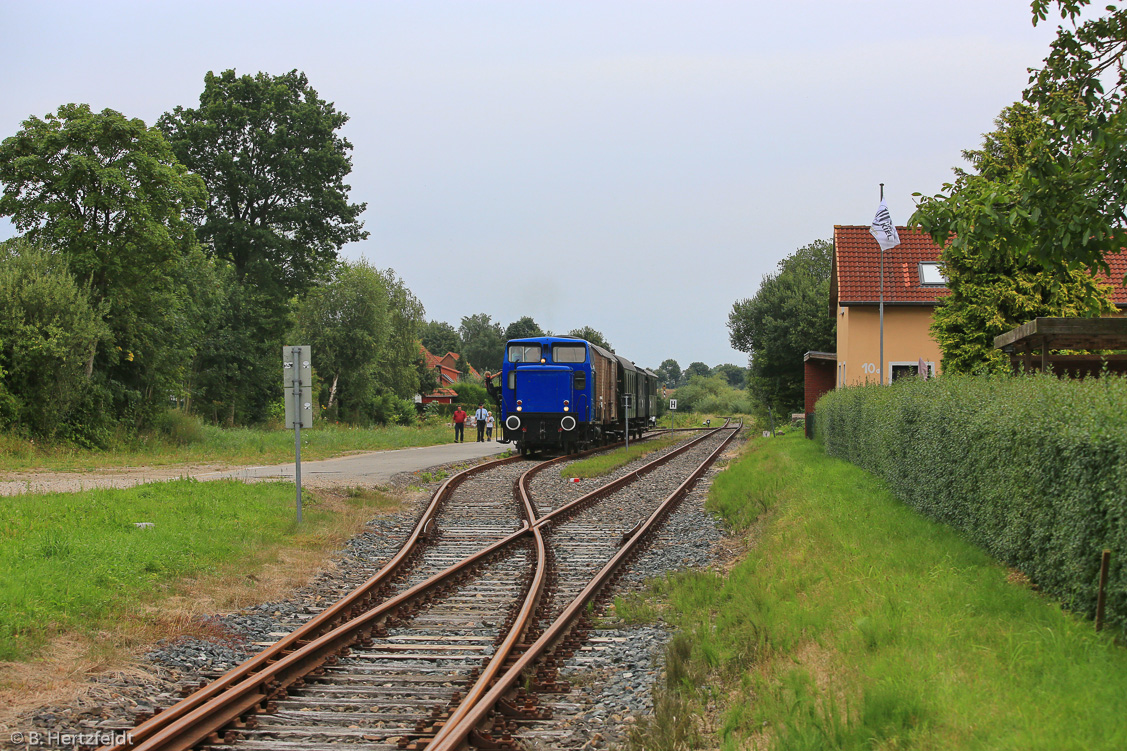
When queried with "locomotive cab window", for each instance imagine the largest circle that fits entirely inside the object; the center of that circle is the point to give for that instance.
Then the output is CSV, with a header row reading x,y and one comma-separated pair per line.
x,y
569,353
524,353
580,380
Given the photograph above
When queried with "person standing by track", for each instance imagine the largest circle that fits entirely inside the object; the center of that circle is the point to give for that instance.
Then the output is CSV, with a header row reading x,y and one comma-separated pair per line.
x,y
489,427
481,416
459,425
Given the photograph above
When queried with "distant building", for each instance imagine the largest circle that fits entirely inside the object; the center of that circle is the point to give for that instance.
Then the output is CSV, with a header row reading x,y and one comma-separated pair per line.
x,y
913,285
447,374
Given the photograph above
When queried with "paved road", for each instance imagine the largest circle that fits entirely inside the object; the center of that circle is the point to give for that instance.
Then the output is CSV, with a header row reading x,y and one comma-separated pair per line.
x,y
373,468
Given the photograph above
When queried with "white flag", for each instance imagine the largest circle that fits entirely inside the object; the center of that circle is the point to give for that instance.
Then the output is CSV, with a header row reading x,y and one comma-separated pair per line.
x,y
883,229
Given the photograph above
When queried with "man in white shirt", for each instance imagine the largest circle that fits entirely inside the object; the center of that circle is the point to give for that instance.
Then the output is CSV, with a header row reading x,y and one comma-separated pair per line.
x,y
481,416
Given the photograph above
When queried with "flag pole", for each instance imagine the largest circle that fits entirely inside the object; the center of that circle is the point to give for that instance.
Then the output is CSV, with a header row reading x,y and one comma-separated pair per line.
x,y
881,370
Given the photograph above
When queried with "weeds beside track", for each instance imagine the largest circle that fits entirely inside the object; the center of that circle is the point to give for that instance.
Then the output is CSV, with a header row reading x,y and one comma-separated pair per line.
x,y
854,622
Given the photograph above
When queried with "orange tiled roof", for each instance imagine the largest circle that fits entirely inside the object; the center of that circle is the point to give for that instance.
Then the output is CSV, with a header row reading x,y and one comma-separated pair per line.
x,y
441,393
855,277
856,268
1118,264
431,360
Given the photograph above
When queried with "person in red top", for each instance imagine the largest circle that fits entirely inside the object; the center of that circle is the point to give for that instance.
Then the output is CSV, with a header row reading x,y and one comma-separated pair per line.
x,y
459,425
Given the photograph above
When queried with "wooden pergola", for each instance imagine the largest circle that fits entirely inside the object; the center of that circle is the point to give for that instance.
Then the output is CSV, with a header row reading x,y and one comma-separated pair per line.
x,y
1036,346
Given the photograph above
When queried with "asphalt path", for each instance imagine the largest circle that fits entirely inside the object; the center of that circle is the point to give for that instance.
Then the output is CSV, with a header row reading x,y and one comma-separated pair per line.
x,y
375,468
367,469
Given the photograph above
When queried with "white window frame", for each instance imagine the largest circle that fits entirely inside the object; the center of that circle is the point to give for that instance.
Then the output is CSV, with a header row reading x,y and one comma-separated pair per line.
x,y
938,268
915,364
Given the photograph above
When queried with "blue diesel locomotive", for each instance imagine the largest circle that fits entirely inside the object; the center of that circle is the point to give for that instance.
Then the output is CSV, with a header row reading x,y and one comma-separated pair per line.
x,y
564,393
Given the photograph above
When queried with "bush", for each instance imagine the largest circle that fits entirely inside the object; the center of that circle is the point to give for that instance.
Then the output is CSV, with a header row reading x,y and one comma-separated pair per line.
x,y
389,409
179,428
472,394
1032,469
49,329
711,395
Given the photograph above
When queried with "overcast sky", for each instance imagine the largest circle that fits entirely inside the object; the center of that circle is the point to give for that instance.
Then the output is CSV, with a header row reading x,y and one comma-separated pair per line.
x,y
632,166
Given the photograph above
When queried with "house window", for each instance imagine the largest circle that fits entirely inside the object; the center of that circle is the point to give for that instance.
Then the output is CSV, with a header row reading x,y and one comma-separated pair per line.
x,y
931,275
906,369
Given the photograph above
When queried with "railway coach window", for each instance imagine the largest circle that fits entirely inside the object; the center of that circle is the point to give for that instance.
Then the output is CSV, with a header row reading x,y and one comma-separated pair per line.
x,y
569,353
524,353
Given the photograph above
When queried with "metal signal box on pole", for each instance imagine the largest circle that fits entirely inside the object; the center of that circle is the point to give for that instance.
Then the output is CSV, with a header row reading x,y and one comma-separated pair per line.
x,y
298,384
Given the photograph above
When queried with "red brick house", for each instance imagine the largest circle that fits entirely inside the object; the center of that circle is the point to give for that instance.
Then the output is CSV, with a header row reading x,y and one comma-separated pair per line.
x,y
446,370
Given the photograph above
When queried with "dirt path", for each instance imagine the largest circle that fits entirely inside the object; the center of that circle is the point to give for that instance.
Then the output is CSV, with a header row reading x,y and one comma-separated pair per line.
x,y
47,481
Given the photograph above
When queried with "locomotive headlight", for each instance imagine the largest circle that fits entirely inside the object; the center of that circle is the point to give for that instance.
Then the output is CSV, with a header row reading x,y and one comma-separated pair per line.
x,y
565,405
542,361
518,405
565,409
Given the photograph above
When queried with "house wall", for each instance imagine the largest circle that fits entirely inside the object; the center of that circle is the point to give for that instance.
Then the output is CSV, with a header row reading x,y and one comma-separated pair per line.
x,y
819,380
907,338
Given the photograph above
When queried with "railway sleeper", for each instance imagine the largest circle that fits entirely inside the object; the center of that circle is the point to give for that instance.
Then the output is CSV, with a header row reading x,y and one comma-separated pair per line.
x,y
486,742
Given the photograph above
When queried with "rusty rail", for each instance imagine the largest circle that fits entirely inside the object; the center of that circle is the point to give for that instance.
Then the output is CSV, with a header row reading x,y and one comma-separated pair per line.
x,y
360,599
250,687
453,735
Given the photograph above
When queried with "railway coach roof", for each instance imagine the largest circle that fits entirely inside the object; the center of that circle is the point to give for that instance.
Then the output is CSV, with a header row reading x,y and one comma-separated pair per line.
x,y
626,364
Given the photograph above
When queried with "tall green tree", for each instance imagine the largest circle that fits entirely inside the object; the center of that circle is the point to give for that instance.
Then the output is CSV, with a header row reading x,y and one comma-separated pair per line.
x,y
1064,205
345,321
483,342
788,316
697,369
400,361
269,150
439,337
523,328
593,336
669,372
108,193
994,288
48,326
733,374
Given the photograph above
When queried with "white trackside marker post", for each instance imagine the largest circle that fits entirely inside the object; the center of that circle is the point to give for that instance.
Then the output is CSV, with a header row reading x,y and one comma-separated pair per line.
x,y
299,406
626,416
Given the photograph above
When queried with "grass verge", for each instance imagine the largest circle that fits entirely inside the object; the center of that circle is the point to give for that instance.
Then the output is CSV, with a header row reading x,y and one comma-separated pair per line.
x,y
209,444
681,419
75,563
601,464
855,623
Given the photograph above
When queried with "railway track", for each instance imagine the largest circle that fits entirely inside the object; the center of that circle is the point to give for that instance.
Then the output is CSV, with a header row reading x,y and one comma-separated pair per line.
x,y
455,638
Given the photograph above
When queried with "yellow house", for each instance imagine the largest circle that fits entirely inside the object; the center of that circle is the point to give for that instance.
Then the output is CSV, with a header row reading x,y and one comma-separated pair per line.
x,y
913,284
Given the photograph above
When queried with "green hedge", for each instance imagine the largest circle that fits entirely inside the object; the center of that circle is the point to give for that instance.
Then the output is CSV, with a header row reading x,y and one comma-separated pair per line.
x,y
1033,469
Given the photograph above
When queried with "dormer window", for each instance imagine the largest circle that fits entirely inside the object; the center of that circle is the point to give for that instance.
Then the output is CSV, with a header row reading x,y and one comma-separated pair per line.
x,y
931,275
